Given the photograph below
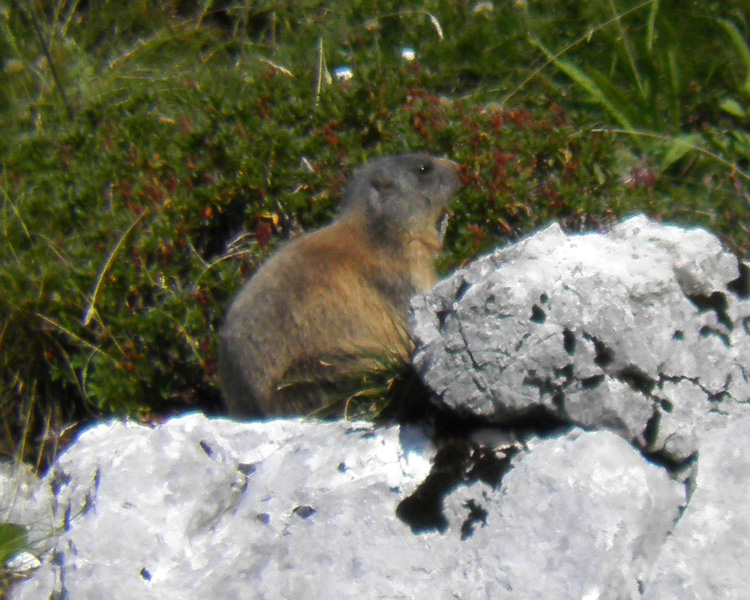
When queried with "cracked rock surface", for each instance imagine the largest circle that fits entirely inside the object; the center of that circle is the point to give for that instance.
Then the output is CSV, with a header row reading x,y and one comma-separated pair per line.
x,y
644,331
634,344
708,553
208,508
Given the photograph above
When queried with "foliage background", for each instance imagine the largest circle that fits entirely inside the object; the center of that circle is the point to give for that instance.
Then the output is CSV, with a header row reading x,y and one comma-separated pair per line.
x,y
163,148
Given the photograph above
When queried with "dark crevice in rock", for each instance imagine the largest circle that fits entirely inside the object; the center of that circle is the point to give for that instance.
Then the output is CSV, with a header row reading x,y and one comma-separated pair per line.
x,y
521,342
604,356
89,500
477,515
414,401
651,431
457,462
712,396
67,517
58,558
61,593
740,287
476,374
716,302
545,385
538,315
678,335
442,316
668,462
488,467
569,342
543,298
685,471
554,388
539,420
304,511
589,383
657,456
145,574
565,373
59,479
718,397
558,400
206,448
461,290
246,469
637,379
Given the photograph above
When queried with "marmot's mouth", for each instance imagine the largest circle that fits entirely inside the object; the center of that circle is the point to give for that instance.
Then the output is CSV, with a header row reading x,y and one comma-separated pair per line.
x,y
442,224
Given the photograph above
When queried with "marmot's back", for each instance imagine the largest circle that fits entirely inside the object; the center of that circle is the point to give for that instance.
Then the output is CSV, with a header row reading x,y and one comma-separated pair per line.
x,y
330,298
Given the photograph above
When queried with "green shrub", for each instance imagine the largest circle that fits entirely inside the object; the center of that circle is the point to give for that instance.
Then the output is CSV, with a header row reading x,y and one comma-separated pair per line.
x,y
674,77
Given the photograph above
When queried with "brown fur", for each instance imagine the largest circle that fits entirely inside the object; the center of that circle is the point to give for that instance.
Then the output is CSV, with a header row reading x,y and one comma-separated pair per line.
x,y
325,301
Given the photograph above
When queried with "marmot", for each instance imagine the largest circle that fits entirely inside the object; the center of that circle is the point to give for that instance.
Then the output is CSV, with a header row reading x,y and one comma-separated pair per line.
x,y
330,298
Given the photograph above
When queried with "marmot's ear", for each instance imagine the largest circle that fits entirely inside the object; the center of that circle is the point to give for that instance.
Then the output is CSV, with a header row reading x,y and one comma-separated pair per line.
x,y
383,185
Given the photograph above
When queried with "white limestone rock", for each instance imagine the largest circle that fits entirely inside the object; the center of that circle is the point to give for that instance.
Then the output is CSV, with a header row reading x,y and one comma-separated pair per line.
x,y
200,508
579,516
708,554
643,331
207,508
640,336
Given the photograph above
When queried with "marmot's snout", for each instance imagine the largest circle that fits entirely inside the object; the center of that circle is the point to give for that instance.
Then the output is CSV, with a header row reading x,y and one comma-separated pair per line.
x,y
450,182
450,178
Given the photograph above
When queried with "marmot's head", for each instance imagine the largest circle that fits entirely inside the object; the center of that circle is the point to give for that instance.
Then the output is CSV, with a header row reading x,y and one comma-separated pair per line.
x,y
402,194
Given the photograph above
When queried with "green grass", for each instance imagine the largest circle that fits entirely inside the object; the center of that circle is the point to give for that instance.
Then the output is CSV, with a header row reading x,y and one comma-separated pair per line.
x,y
192,137
12,542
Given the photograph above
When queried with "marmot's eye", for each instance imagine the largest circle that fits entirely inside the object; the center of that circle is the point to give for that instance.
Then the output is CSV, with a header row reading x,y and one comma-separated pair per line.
x,y
424,169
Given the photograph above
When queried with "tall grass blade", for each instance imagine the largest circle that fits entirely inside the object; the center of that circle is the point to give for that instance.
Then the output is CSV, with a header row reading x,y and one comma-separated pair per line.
x,y
323,77
51,63
675,77
436,25
89,314
68,17
743,50
628,48
633,113
590,86
552,58
732,167
651,26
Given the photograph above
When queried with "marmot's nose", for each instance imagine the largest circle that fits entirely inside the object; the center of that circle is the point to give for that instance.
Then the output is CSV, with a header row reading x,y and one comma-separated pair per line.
x,y
448,163
452,169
